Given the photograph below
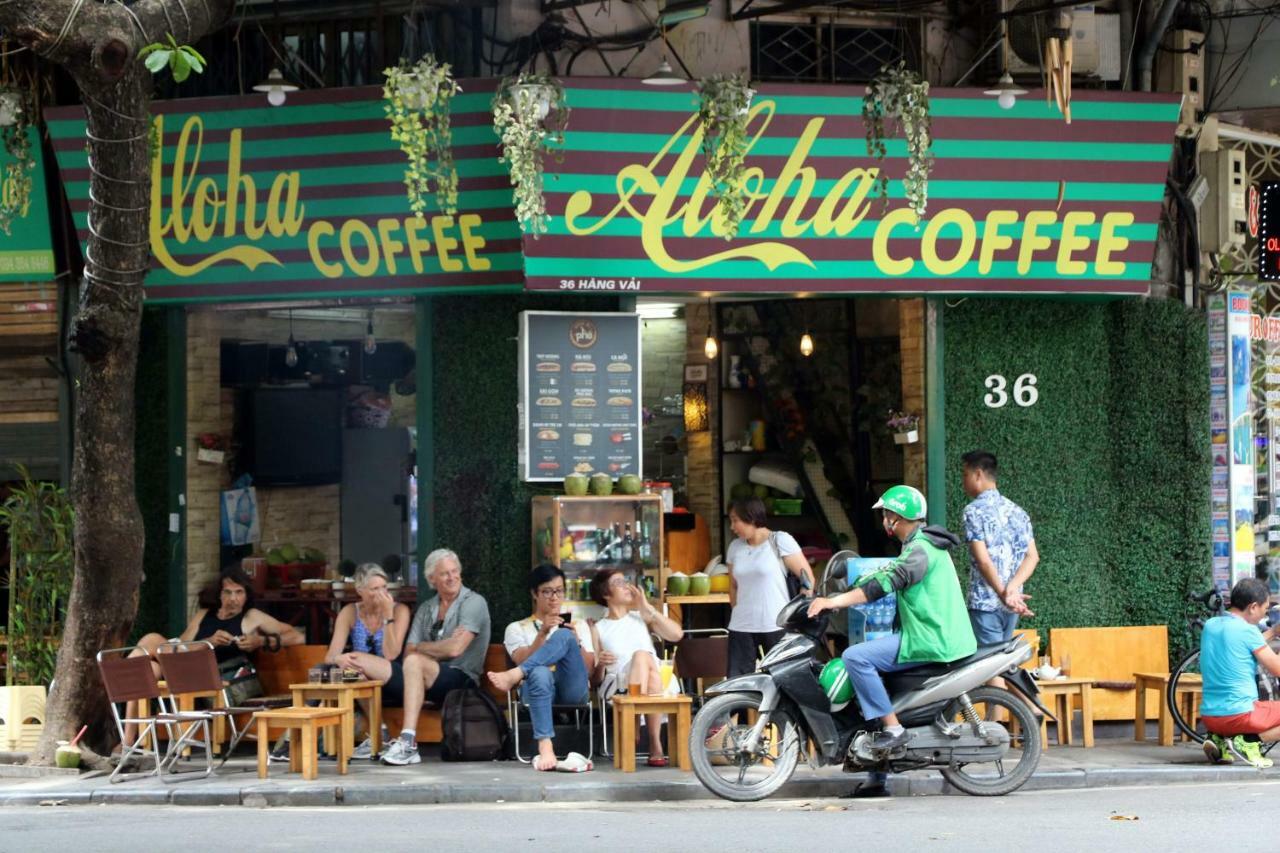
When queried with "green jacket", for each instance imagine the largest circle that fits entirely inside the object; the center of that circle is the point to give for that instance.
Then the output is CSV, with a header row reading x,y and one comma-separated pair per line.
x,y
931,609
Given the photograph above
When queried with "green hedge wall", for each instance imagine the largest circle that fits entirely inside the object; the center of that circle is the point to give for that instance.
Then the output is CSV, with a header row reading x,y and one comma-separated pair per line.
x,y
481,505
1112,461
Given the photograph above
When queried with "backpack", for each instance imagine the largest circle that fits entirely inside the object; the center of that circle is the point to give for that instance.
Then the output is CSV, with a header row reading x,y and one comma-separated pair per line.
x,y
474,729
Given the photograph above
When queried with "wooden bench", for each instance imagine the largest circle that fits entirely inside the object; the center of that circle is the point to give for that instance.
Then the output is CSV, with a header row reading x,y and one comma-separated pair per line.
x,y
1110,657
289,666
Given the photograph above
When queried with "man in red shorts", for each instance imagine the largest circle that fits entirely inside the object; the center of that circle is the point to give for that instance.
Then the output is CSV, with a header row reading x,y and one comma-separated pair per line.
x,y
1231,648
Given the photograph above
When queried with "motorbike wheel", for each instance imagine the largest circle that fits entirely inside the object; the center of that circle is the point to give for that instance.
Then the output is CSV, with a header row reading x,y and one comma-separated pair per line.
x,y
723,767
993,779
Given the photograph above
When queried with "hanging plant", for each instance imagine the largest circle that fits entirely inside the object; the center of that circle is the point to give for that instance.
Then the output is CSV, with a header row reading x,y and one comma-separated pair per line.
x,y
417,102
529,115
723,109
897,94
15,182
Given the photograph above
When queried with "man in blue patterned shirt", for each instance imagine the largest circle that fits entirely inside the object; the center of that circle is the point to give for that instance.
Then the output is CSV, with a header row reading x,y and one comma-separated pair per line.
x,y
1002,552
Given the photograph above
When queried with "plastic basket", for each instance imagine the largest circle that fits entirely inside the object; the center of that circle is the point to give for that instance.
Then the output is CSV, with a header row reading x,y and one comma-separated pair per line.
x,y
788,506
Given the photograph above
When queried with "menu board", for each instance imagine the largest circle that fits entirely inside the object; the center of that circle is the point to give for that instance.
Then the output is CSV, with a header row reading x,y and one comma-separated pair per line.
x,y
579,394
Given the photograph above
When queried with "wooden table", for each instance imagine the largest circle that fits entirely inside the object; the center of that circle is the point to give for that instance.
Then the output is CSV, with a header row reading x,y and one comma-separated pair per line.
x,y
1190,687
307,722
187,702
1060,691
345,695
625,710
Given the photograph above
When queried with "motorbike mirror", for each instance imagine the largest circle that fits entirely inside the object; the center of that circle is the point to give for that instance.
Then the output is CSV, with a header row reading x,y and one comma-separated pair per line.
x,y
841,571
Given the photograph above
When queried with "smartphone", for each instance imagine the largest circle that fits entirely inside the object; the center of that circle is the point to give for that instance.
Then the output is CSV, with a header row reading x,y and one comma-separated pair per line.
x,y
566,617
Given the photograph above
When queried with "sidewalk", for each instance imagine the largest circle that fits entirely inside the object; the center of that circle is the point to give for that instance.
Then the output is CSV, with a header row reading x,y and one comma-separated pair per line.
x,y
1111,763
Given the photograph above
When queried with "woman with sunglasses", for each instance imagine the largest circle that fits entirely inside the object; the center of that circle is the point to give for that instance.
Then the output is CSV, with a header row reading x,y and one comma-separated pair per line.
x,y
552,663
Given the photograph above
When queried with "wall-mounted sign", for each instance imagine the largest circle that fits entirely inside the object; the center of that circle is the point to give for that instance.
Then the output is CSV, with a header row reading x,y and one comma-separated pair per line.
x,y
250,201
1019,201
1025,392
1269,231
580,409
26,252
1231,438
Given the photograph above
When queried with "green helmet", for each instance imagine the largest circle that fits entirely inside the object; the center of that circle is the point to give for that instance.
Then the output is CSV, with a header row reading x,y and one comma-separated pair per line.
x,y
835,683
905,501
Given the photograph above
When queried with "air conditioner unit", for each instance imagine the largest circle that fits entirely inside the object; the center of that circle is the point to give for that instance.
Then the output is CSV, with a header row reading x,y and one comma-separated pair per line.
x,y
1027,34
1223,218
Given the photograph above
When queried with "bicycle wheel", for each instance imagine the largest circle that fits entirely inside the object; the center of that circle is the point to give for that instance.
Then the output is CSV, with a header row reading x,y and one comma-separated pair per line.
x,y
1184,703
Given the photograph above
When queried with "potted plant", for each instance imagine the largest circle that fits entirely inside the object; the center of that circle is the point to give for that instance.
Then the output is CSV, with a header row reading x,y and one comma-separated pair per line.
x,y
897,94
724,106
529,116
905,427
39,521
416,100
15,182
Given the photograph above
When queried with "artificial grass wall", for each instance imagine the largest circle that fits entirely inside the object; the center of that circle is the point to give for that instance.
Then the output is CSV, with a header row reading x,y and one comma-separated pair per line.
x,y
481,504
1112,461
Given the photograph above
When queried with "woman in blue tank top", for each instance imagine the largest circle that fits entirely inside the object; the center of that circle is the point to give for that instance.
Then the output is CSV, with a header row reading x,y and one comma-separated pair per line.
x,y
368,636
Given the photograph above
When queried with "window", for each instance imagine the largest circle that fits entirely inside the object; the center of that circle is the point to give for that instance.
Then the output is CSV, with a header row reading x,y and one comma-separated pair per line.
x,y
827,51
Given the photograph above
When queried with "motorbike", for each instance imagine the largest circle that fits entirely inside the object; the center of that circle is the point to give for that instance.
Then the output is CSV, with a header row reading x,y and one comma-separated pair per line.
x,y
748,738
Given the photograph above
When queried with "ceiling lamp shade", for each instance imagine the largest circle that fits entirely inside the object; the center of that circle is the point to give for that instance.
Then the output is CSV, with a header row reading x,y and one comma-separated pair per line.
x,y
275,86
1006,91
663,75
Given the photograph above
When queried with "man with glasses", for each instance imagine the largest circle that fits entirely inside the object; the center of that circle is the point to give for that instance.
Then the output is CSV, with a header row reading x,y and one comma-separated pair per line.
x,y
444,651
552,663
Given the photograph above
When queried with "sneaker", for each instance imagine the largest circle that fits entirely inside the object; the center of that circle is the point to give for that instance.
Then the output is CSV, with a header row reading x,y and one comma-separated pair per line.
x,y
885,742
281,751
364,751
1250,751
1217,750
401,752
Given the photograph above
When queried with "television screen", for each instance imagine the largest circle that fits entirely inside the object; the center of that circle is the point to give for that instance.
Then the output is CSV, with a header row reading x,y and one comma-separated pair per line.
x,y
293,436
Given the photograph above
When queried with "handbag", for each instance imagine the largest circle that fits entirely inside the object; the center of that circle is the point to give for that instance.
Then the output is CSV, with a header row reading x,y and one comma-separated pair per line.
x,y
240,679
794,584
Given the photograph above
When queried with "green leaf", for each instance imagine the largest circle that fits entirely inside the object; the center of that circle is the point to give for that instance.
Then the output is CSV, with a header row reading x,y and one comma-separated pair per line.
x,y
194,59
157,61
151,48
180,65
188,49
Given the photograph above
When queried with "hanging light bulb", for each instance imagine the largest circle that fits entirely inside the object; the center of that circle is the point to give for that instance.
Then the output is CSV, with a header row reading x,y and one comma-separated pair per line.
x,y
291,352
806,345
370,344
276,87
711,349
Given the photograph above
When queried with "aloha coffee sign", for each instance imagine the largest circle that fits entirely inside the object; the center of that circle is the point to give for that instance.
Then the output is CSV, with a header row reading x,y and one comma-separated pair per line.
x,y
1019,201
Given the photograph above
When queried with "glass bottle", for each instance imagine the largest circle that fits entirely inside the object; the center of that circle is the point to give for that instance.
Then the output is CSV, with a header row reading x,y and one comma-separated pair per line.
x,y
646,546
628,546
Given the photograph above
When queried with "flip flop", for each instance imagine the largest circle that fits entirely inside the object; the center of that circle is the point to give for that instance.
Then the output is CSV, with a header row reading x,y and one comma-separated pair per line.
x,y
658,762
540,768
575,762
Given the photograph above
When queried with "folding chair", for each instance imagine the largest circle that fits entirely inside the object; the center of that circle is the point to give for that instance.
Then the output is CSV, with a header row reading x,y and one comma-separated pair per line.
x,y
131,679
513,718
192,667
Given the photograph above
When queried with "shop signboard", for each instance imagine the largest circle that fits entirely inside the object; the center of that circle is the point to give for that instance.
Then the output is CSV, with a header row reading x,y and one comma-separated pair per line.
x,y
1019,200
250,201
1231,437
1268,231
26,251
580,409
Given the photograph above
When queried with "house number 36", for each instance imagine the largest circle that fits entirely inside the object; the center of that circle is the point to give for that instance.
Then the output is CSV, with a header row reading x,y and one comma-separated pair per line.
x,y
1024,391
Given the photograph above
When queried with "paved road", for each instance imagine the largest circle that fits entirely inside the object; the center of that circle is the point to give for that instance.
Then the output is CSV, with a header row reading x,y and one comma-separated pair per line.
x,y
1180,817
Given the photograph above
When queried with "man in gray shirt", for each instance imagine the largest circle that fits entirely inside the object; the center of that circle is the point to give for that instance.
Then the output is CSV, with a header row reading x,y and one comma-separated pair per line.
x,y
444,650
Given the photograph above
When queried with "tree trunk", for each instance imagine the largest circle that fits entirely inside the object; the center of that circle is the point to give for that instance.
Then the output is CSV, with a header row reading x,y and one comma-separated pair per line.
x,y
98,44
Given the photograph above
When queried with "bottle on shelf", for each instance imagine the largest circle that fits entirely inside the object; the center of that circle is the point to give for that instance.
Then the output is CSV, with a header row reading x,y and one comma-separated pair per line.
x,y
646,546
628,546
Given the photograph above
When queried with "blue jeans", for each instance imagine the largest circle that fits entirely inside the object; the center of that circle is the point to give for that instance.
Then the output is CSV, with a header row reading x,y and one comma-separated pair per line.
x,y
992,626
544,688
864,662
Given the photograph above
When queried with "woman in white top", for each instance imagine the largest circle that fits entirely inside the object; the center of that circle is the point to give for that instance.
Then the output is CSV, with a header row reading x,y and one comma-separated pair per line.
x,y
625,654
553,664
758,560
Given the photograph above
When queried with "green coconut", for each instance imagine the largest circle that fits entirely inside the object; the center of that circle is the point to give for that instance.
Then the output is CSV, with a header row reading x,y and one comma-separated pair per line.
x,y
575,485
630,484
601,484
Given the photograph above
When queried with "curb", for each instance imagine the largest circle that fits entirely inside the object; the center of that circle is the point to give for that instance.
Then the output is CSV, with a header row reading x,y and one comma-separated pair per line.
x,y
915,784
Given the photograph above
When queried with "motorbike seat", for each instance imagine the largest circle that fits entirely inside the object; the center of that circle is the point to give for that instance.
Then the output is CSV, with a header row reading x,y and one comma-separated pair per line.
x,y
929,670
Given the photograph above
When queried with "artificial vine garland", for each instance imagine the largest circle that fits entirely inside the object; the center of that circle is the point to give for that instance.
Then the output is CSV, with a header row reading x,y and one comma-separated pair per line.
x,y
723,108
417,102
897,93
15,183
529,115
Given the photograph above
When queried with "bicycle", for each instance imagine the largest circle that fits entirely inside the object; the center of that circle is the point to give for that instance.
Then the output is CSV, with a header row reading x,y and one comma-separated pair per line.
x,y
1189,670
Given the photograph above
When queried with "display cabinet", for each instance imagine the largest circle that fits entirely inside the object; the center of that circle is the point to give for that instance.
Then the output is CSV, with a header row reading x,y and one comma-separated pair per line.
x,y
582,535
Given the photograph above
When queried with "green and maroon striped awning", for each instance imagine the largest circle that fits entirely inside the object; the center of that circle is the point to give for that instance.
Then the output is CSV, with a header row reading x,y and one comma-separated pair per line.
x,y
637,210
329,216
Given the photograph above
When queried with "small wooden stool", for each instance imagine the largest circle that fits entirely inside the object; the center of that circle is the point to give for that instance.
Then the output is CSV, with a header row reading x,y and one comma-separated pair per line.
x,y
1058,693
625,710
1190,687
304,749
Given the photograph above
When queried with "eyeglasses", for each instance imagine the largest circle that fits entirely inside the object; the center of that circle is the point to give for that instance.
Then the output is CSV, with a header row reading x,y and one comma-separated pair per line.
x,y
618,582
555,592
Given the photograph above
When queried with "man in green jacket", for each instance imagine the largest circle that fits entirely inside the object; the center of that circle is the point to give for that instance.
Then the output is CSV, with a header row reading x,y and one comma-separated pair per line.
x,y
931,610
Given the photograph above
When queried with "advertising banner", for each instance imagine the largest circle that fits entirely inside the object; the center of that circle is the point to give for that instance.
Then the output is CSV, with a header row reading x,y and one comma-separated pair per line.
x,y
26,251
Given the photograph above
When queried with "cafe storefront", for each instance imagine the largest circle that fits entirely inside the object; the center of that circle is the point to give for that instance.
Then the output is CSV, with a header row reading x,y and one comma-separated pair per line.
x,y
286,230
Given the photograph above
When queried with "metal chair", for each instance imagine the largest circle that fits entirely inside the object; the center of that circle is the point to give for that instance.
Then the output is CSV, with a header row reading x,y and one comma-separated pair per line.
x,y
131,679
514,704
192,667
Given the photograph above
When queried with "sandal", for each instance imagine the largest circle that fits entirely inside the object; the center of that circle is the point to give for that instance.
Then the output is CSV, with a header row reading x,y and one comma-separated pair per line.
x,y
658,762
